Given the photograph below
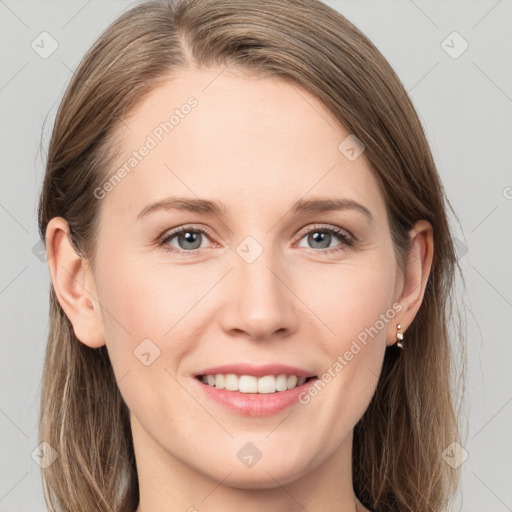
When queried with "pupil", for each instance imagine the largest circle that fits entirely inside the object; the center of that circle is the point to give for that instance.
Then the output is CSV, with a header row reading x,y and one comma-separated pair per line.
x,y
317,237
190,237
323,238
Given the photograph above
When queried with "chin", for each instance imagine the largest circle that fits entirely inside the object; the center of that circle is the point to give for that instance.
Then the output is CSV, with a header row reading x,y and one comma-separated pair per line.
x,y
263,478
263,474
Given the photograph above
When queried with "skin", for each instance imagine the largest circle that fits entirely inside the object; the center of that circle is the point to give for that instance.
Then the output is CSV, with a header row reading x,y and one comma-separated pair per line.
x,y
257,145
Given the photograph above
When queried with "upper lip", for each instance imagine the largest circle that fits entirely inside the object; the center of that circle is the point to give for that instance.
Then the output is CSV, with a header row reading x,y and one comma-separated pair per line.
x,y
257,371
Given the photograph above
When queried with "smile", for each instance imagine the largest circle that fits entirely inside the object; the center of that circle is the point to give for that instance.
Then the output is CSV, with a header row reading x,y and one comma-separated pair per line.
x,y
252,384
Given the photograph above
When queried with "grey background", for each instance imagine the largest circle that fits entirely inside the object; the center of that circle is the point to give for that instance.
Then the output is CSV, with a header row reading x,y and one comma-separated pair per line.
x,y
465,104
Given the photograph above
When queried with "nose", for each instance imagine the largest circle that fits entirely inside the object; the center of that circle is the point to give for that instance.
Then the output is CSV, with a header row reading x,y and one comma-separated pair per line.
x,y
260,302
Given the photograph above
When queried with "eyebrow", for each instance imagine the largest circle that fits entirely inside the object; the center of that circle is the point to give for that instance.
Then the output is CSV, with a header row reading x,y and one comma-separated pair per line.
x,y
208,207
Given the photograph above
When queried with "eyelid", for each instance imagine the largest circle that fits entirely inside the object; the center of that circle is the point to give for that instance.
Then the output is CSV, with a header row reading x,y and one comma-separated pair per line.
x,y
171,233
348,240
327,227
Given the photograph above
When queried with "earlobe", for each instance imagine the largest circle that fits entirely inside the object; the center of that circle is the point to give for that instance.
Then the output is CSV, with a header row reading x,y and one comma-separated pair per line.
x,y
414,280
74,284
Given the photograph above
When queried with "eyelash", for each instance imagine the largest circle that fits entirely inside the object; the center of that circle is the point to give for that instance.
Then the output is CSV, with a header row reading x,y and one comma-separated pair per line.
x,y
347,239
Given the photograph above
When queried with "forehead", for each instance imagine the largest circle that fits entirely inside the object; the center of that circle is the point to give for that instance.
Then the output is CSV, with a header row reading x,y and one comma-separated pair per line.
x,y
243,140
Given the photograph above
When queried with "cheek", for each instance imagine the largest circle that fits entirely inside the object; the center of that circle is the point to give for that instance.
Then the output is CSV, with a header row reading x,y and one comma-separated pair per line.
x,y
348,299
148,302
355,310
142,299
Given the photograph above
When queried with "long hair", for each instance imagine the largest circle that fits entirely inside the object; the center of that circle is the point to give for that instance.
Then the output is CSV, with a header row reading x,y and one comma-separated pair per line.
x,y
412,418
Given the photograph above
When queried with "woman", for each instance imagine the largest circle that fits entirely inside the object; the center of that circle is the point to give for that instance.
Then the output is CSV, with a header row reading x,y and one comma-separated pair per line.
x,y
204,352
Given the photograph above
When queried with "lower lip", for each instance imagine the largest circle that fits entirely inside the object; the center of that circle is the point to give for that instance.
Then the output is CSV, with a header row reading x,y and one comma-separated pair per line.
x,y
255,404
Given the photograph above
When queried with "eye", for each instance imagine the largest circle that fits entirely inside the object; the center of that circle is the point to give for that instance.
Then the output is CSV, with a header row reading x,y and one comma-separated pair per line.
x,y
188,239
322,236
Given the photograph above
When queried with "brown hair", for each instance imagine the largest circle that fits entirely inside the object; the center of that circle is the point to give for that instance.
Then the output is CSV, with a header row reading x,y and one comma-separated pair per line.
x,y
397,462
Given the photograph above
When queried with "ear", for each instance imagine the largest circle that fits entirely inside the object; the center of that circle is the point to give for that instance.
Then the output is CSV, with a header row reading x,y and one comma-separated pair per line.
x,y
410,286
74,284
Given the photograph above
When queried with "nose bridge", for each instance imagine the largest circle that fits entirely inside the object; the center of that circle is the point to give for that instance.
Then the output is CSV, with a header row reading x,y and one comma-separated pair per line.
x,y
261,303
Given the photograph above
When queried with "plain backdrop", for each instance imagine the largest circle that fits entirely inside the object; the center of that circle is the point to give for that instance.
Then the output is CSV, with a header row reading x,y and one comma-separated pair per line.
x,y
464,98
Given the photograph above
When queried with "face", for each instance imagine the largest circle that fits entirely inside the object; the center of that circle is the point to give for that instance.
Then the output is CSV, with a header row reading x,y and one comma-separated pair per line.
x,y
258,285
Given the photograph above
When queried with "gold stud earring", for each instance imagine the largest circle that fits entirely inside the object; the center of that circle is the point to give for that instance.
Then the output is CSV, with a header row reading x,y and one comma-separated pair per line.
x,y
399,337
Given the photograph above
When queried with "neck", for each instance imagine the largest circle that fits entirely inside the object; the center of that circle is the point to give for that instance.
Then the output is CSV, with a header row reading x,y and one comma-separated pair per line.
x,y
168,484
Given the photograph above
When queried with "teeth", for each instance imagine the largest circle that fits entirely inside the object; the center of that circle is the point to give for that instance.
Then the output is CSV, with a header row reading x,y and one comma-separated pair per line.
x,y
252,384
220,382
281,383
247,384
230,382
266,384
292,381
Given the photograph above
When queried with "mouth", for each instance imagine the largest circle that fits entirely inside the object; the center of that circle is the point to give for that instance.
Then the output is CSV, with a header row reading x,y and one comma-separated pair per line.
x,y
251,384
252,395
